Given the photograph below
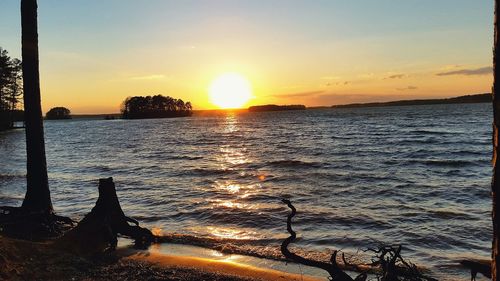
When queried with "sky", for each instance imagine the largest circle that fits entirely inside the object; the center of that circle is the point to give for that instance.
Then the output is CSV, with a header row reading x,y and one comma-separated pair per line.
x,y
95,53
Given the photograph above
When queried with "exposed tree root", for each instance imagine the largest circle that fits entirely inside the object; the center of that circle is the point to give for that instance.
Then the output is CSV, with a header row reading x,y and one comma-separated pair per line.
x,y
392,267
97,232
17,222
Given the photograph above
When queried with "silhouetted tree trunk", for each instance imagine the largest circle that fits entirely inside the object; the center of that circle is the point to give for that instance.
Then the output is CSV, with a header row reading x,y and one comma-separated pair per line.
x,y
495,185
97,231
37,197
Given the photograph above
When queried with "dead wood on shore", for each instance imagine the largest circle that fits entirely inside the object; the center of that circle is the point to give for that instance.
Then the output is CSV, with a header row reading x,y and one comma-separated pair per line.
x,y
387,260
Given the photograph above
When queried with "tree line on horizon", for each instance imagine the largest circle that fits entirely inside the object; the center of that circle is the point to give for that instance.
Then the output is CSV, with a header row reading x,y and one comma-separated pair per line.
x,y
157,106
11,90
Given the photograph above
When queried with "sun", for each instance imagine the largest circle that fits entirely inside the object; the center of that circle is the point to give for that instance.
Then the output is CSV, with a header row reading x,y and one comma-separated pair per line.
x,y
230,90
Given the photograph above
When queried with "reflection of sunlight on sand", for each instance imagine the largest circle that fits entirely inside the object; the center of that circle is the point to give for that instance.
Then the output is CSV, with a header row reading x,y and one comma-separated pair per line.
x,y
215,261
223,257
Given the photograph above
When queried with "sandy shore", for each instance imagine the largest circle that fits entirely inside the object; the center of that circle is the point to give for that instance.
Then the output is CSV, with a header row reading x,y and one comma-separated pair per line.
x,y
22,260
216,266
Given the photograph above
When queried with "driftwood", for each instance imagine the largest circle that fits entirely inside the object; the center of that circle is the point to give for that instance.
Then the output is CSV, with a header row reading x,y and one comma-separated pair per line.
x,y
391,266
97,232
336,273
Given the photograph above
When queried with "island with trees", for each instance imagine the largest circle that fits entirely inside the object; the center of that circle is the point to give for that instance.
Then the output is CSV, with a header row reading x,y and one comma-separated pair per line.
x,y
58,113
274,107
158,106
11,90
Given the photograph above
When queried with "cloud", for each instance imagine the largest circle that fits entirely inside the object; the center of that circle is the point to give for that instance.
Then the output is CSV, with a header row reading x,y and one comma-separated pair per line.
x,y
149,77
395,76
451,66
469,72
298,95
343,83
330,78
407,88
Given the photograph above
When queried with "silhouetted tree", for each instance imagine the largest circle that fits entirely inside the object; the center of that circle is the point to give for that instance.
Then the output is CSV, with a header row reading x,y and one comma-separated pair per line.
x,y
495,185
10,88
58,113
37,197
157,106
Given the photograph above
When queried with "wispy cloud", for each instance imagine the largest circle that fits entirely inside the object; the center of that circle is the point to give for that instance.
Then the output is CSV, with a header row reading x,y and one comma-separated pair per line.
x,y
149,77
298,95
395,76
469,72
330,78
343,83
450,67
407,88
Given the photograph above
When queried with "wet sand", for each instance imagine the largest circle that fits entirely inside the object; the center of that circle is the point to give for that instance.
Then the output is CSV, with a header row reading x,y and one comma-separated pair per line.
x,y
23,260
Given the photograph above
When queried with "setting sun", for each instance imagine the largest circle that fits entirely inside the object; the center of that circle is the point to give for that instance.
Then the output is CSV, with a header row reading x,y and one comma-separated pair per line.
x,y
230,90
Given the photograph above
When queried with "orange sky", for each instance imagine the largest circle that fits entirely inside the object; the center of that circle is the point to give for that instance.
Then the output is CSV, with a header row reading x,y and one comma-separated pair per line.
x,y
94,54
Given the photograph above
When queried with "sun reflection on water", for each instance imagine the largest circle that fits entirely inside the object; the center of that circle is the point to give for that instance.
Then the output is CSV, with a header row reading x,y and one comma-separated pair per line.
x,y
231,233
232,155
231,204
233,188
231,123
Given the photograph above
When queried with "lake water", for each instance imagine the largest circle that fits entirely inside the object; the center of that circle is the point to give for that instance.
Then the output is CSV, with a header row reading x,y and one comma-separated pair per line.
x,y
419,176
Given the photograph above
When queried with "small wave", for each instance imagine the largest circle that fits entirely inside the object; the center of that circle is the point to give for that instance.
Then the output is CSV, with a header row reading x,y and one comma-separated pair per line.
x,y
11,176
443,162
295,164
184,157
432,132
261,248
417,141
210,172
229,216
445,214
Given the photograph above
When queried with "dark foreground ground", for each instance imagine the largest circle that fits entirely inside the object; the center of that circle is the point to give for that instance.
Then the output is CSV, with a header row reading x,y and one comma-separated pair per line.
x,y
22,260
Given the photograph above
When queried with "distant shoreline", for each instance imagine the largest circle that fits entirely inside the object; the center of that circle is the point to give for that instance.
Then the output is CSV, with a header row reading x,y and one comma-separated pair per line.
x,y
274,107
478,98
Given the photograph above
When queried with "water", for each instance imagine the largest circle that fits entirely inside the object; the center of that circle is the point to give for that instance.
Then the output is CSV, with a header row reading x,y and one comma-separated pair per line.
x,y
418,176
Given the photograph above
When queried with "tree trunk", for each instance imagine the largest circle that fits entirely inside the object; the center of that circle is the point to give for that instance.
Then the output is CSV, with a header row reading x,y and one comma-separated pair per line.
x,y
37,197
495,185
97,231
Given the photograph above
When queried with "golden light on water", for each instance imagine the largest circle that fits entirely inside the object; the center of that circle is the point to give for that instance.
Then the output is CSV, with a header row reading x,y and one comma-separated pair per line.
x,y
156,231
231,233
231,204
230,90
233,188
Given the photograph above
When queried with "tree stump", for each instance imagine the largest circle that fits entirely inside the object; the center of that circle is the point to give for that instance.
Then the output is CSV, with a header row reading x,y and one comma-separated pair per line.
x,y
97,232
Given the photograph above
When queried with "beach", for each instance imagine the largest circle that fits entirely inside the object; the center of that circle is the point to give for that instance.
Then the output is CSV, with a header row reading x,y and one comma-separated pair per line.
x,y
24,260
